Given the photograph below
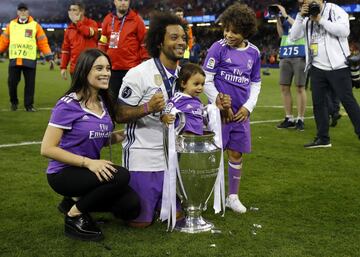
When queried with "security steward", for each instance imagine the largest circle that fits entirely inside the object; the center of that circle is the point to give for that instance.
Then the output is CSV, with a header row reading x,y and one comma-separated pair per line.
x,y
24,36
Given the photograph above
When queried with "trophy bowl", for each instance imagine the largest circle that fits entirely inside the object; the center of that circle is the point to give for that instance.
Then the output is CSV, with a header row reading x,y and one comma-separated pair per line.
x,y
199,160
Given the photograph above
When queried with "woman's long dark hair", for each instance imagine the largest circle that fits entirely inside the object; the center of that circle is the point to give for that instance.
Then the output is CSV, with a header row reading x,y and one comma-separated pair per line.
x,y
81,84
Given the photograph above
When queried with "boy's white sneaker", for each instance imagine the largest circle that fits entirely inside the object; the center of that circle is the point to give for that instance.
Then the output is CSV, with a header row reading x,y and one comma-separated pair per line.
x,y
233,202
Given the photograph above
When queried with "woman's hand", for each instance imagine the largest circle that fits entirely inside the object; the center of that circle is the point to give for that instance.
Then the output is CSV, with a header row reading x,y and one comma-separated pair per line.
x,y
103,169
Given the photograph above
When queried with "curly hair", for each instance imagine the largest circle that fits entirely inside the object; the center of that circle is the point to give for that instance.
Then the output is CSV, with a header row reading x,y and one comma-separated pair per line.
x,y
242,18
157,29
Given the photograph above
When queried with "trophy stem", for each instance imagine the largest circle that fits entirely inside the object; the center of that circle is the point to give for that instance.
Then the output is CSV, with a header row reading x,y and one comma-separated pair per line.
x,y
193,222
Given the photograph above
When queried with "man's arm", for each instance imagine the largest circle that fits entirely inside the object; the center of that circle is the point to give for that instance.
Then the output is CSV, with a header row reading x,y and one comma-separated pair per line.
x,y
87,30
338,26
279,23
5,39
65,55
127,113
43,45
298,28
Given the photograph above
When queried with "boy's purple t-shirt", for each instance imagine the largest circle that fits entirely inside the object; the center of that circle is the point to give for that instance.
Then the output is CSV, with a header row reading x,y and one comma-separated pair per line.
x,y
234,70
85,132
192,108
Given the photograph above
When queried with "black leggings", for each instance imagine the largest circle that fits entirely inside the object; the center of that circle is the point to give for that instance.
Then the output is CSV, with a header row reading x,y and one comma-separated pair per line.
x,y
108,196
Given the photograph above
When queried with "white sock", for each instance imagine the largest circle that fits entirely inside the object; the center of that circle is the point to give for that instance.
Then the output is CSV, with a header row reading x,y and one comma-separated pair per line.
x,y
290,117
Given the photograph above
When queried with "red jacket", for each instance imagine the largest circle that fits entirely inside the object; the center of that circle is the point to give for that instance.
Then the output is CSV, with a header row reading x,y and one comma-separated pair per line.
x,y
77,38
131,49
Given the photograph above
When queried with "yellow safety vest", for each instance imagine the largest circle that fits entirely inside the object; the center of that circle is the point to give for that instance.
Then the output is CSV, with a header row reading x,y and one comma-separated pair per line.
x,y
187,53
23,40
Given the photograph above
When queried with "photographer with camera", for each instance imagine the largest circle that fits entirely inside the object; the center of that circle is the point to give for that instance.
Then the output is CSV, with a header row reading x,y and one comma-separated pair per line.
x,y
326,28
292,63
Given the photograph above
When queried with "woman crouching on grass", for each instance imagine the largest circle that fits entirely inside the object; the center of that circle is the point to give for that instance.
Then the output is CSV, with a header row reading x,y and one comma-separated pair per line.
x,y
81,124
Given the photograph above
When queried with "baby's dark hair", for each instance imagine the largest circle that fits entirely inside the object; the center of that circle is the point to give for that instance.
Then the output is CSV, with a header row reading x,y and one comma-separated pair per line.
x,y
242,18
185,74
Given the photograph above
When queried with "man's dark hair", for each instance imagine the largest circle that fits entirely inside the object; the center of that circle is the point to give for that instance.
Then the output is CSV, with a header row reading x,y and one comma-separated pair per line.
x,y
78,3
179,9
80,81
241,18
157,29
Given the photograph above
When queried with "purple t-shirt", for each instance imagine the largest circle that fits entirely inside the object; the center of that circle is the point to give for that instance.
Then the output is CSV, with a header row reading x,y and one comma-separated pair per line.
x,y
192,108
234,70
85,132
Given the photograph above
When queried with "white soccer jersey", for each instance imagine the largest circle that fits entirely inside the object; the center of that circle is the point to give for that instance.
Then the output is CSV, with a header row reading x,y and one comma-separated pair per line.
x,y
143,146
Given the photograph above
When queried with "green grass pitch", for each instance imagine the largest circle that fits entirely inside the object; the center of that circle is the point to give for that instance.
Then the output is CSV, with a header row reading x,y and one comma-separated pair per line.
x,y
307,199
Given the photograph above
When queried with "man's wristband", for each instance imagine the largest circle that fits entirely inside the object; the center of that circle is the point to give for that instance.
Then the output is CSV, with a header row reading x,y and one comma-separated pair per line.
x,y
146,108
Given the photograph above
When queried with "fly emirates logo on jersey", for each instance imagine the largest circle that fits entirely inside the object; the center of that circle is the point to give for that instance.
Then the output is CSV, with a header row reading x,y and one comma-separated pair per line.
x,y
236,76
102,133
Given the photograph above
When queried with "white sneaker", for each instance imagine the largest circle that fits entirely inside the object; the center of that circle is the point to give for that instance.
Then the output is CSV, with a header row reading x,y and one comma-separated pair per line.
x,y
233,202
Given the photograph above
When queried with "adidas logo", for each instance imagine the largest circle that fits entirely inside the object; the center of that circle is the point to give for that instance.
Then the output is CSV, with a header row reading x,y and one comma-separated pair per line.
x,y
228,60
85,117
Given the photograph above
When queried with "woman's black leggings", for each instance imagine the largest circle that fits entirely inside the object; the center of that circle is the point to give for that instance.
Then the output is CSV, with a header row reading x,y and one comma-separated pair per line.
x,y
108,196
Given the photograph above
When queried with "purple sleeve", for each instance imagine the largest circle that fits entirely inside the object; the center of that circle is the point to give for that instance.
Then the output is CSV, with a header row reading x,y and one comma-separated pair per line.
x,y
212,58
63,114
256,70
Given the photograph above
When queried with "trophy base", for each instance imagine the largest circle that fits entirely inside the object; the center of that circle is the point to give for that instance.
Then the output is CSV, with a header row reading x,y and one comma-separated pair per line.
x,y
193,225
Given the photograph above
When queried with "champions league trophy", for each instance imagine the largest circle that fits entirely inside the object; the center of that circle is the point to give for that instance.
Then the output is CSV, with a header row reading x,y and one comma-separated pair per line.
x,y
197,169
199,160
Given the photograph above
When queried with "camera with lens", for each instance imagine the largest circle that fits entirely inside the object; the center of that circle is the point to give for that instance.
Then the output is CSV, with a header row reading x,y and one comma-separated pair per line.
x,y
353,61
273,10
289,5
314,9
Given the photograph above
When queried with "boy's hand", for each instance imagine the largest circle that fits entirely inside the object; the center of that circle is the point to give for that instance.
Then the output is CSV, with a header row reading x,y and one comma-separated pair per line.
x,y
242,114
167,119
223,101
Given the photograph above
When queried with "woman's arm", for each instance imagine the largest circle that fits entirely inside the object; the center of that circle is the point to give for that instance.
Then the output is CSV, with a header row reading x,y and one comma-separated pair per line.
x,y
50,149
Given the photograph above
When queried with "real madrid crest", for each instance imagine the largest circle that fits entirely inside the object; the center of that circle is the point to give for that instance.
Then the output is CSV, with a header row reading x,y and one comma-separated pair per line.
x,y
158,80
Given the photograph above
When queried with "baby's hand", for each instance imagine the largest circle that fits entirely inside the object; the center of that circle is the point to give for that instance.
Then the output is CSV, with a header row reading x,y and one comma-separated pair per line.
x,y
167,119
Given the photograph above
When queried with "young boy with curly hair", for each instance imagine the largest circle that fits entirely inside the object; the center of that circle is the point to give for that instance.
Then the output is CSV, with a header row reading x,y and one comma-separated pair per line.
x,y
232,67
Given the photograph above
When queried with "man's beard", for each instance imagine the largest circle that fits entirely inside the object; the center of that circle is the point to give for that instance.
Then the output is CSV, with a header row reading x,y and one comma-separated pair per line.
x,y
171,55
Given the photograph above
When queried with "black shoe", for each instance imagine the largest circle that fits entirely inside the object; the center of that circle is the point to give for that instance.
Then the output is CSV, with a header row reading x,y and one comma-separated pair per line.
x,y
82,227
334,119
318,143
65,205
299,125
13,107
286,124
30,108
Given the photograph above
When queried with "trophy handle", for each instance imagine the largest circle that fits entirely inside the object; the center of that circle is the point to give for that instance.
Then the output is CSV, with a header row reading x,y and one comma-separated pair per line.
x,y
166,144
182,122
